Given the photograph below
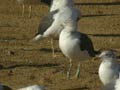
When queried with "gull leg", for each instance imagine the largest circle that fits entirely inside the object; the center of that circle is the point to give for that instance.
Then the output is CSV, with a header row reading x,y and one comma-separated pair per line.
x,y
52,46
23,10
53,50
69,70
77,75
30,11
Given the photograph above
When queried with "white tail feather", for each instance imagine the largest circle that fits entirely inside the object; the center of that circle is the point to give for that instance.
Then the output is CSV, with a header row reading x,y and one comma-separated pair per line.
x,y
36,38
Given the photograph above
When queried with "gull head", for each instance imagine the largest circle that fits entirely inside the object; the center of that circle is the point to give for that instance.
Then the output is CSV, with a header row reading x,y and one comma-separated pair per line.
x,y
108,54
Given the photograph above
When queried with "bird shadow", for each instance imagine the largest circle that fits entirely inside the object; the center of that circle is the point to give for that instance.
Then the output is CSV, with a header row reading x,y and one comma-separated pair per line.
x,y
107,4
7,25
11,39
99,15
29,65
81,88
48,50
42,50
105,35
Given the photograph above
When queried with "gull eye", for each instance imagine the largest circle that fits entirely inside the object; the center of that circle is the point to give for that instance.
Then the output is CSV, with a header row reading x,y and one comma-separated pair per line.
x,y
110,55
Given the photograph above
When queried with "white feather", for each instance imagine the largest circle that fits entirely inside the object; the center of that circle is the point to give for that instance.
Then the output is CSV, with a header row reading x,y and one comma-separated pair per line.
x,y
108,69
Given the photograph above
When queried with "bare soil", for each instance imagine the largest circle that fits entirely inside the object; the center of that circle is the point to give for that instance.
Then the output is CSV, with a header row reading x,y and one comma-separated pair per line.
x,y
23,63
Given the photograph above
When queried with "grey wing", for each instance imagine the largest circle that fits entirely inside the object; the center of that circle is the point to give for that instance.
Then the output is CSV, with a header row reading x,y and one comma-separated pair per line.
x,y
117,71
46,22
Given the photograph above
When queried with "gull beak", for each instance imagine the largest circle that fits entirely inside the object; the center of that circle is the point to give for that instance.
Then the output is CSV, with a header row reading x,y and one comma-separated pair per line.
x,y
99,56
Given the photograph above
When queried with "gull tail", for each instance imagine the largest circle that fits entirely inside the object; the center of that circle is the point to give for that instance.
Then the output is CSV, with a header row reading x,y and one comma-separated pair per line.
x,y
37,38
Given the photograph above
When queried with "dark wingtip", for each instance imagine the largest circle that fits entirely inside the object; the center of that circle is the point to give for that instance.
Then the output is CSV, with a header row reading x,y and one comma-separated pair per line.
x,y
47,2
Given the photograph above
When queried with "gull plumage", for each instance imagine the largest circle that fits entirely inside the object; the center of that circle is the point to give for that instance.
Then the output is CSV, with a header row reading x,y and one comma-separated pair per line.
x,y
115,85
57,4
75,45
33,87
60,11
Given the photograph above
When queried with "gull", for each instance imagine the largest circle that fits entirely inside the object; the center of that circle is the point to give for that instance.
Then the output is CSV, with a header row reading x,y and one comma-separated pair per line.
x,y
4,87
50,26
33,87
75,45
109,69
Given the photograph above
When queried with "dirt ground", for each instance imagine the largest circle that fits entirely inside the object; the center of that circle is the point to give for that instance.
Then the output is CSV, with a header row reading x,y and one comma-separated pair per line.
x,y
23,63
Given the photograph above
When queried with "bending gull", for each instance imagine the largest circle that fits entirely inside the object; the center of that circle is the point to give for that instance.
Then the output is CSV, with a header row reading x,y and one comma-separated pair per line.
x,y
50,26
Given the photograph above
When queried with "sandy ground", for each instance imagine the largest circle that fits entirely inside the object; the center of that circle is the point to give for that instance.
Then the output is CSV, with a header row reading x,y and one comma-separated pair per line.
x,y
23,63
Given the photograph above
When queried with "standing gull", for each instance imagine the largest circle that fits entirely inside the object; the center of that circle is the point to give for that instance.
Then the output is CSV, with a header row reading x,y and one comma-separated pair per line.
x,y
34,87
75,45
109,68
60,11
